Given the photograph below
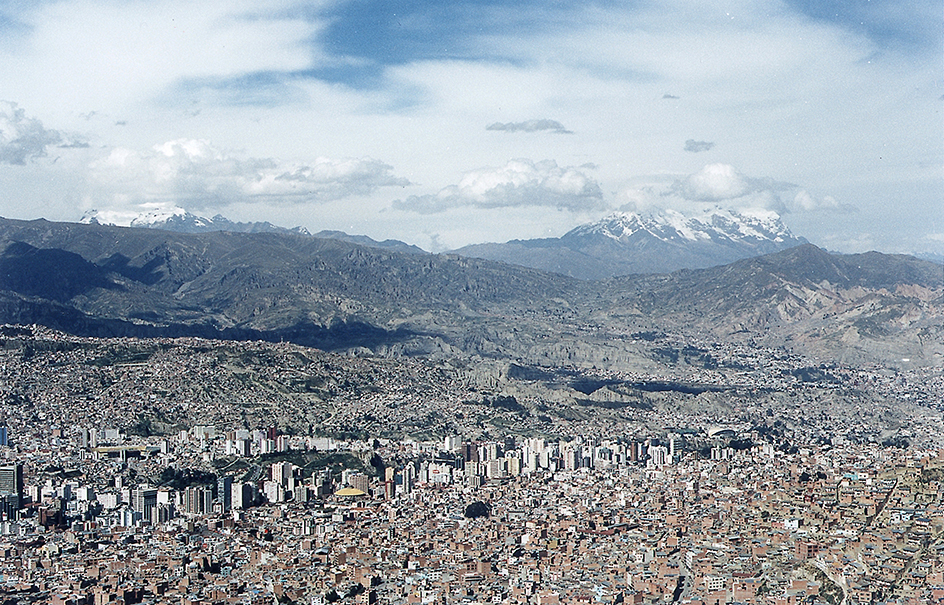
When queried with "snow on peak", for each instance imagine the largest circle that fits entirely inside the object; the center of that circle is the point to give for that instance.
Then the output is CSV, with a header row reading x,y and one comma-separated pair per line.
x,y
712,224
151,214
161,215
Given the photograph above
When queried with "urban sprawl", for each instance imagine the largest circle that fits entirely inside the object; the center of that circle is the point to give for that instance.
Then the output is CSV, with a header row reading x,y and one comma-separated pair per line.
x,y
217,513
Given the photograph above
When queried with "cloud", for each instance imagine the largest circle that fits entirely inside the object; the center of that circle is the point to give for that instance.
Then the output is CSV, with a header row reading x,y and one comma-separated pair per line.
x,y
713,183
74,144
22,138
195,174
696,146
531,126
722,185
104,55
517,183
804,201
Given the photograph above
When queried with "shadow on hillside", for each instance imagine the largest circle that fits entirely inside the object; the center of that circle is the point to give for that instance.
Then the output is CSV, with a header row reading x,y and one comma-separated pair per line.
x,y
338,336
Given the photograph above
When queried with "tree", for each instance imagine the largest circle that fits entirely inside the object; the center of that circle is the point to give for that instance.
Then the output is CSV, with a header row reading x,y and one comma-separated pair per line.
x,y
377,462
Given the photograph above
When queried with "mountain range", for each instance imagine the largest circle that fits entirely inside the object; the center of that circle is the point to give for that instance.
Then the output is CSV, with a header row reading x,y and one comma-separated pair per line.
x,y
102,280
631,243
179,220
623,243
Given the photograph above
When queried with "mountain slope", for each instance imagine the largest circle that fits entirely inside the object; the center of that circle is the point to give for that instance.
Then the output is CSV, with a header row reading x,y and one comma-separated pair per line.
x,y
846,307
263,285
362,240
108,281
630,243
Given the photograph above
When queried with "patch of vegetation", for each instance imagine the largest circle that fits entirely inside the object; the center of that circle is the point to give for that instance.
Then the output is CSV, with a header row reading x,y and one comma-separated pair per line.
x,y
312,461
506,402
182,478
811,374
897,441
347,433
588,386
615,405
528,373
658,386
144,426
119,356
477,509
929,475
666,355
310,384
741,444
230,463
829,591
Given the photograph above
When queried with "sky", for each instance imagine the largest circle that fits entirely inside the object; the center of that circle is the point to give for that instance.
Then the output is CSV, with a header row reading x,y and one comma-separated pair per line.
x,y
447,124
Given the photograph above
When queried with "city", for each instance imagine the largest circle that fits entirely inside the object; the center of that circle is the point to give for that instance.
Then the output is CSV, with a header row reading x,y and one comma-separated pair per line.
x,y
98,511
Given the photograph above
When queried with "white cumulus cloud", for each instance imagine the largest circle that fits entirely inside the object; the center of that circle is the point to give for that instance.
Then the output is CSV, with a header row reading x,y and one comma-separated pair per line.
x,y
194,174
804,201
714,182
723,185
22,138
519,182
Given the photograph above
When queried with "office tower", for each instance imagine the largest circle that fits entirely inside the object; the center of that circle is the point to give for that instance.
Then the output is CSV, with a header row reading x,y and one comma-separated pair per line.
x,y
659,456
144,501
11,481
224,492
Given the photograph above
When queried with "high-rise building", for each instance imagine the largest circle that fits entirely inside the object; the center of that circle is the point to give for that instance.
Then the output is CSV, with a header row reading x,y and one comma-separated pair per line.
x,y
11,491
198,500
243,447
243,495
659,456
281,472
4,436
361,481
144,501
11,482
224,492
469,452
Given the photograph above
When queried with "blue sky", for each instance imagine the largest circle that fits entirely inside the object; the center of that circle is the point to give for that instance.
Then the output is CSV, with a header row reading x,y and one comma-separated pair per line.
x,y
444,124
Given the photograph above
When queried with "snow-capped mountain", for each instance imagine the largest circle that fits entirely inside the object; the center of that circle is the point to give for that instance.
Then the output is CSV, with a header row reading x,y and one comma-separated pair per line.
x,y
180,220
627,242
759,227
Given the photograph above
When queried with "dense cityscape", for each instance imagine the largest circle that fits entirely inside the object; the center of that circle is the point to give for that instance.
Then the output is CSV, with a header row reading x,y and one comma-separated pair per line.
x,y
479,302
654,507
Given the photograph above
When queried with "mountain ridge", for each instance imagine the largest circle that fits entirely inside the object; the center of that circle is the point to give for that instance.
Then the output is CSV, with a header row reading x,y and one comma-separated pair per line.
x,y
337,295
179,220
626,243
